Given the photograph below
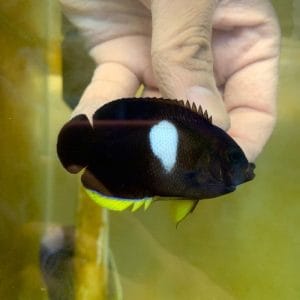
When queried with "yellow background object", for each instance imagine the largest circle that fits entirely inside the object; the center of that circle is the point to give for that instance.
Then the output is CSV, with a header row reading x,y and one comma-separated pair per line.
x,y
34,190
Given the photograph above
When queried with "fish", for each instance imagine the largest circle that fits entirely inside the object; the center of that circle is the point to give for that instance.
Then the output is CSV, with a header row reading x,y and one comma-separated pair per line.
x,y
141,150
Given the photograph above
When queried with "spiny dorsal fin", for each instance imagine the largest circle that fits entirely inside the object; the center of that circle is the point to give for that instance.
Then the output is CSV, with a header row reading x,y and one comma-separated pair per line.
x,y
181,102
200,111
194,107
204,114
186,104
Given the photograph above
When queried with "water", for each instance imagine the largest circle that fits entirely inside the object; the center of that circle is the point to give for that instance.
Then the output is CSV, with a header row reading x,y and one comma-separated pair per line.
x,y
240,246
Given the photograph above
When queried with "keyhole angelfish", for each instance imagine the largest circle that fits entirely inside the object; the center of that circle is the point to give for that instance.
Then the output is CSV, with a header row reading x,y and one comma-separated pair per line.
x,y
139,150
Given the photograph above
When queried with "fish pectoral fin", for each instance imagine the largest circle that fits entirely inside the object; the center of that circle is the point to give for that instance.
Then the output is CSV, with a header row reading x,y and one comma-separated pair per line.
x,y
182,208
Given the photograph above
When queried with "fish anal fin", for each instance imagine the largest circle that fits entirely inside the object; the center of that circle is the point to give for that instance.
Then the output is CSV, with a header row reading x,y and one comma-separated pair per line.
x,y
107,202
147,203
137,205
117,204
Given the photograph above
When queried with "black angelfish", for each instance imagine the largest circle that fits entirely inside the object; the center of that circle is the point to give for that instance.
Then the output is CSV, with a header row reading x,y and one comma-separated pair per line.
x,y
140,149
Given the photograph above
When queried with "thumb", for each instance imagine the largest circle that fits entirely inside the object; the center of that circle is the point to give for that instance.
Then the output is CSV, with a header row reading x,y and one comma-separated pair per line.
x,y
181,54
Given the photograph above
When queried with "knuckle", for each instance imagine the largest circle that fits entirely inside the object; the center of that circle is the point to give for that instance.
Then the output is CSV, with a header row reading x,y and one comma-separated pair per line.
x,y
190,48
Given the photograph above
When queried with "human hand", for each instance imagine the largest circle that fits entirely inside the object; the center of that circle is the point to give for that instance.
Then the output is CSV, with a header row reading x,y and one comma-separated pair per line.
x,y
222,55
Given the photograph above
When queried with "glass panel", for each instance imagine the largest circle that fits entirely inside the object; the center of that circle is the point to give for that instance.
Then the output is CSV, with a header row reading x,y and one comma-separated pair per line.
x,y
54,240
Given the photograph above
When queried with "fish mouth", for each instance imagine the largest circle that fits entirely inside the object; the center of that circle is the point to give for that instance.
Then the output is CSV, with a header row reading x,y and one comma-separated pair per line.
x,y
241,175
249,174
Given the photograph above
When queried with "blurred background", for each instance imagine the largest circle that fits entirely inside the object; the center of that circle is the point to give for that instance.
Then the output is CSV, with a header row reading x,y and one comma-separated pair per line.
x,y
56,244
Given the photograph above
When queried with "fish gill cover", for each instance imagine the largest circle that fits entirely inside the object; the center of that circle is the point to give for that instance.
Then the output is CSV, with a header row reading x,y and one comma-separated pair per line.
x,y
143,149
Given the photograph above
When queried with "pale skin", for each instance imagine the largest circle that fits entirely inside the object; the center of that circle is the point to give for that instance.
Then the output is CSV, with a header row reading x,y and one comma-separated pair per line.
x,y
222,55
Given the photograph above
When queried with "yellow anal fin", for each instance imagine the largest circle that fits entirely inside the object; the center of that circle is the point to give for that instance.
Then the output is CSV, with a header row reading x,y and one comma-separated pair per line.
x,y
117,204
147,203
137,204
182,208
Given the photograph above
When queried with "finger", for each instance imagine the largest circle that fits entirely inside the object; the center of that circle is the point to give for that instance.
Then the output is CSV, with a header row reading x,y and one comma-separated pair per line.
x,y
181,54
100,21
110,81
251,98
252,46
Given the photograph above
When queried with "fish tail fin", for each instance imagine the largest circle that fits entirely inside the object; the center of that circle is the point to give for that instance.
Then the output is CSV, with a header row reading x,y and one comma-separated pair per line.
x,y
74,143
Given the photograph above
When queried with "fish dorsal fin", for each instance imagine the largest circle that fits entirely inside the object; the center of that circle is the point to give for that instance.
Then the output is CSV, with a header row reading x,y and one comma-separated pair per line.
x,y
190,106
199,110
117,204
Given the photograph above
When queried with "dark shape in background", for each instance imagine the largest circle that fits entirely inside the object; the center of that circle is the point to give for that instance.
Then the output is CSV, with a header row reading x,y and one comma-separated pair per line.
x,y
56,261
77,65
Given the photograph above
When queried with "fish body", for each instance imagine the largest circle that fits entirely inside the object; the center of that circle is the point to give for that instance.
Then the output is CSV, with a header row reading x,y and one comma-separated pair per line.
x,y
140,148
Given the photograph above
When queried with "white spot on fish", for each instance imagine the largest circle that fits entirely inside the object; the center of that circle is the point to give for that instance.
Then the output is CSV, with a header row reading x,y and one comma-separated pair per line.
x,y
164,143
